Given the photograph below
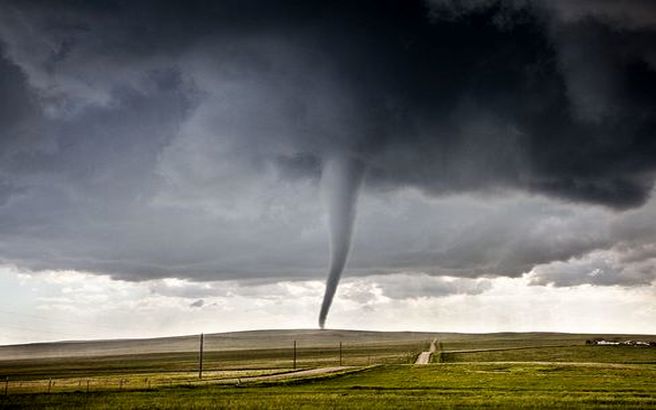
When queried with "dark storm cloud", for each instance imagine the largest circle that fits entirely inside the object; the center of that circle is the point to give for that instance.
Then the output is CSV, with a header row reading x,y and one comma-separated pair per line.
x,y
628,256
150,139
627,13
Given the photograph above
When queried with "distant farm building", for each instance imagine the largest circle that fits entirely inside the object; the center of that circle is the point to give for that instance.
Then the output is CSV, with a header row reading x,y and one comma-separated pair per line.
x,y
606,342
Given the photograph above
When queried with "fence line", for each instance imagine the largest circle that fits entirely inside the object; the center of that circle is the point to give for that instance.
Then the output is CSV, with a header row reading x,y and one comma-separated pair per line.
x,y
295,357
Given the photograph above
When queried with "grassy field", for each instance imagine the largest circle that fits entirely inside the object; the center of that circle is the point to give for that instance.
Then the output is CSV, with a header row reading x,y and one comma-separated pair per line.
x,y
400,386
455,342
219,342
54,373
538,370
252,359
581,354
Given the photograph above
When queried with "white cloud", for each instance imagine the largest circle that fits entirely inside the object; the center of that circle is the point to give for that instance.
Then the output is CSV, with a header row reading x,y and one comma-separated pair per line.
x,y
79,305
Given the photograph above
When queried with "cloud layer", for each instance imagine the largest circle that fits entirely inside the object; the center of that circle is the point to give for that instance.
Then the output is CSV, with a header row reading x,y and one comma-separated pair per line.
x,y
150,140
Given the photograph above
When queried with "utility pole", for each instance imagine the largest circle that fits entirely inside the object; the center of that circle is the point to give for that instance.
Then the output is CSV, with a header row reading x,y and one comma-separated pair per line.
x,y
340,353
294,354
200,357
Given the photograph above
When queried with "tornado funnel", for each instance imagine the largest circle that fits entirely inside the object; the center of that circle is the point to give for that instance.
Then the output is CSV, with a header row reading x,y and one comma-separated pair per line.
x,y
341,180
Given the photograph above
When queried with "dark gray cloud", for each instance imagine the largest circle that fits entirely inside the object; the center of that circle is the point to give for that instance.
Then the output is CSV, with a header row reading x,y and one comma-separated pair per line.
x,y
627,13
197,304
628,258
604,268
151,139
409,286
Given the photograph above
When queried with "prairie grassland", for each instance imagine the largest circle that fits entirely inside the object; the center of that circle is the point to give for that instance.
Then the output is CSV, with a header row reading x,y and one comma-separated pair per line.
x,y
360,355
504,370
399,386
218,342
154,370
451,342
582,354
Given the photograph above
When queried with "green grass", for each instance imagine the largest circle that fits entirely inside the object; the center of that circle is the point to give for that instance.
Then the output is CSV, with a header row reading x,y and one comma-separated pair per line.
x,y
503,370
507,340
169,369
401,386
585,354
358,355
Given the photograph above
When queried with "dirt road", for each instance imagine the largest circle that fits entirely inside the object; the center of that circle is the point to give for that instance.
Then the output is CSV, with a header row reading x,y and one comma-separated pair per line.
x,y
425,357
300,374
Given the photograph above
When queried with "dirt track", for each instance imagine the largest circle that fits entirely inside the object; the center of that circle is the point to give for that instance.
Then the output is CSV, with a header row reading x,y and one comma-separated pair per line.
x,y
425,357
300,374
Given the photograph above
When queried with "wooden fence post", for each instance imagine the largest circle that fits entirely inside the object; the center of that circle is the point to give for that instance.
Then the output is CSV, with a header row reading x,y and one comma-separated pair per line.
x,y
340,353
294,354
200,357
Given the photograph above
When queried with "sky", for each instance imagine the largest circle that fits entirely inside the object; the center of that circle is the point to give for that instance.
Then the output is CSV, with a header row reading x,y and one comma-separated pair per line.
x,y
183,167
